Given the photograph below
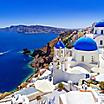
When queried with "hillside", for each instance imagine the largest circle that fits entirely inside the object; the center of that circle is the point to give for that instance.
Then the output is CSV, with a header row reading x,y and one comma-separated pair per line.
x,y
35,29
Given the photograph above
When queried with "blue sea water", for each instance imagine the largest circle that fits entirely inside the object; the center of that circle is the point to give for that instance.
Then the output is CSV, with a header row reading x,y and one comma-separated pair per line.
x,y
13,64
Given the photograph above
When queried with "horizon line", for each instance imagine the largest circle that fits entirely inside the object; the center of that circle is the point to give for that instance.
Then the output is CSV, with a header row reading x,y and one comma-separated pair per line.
x,y
42,25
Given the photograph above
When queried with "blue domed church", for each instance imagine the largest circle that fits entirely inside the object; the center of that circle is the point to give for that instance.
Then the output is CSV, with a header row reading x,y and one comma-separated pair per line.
x,y
84,58
85,51
75,66
59,49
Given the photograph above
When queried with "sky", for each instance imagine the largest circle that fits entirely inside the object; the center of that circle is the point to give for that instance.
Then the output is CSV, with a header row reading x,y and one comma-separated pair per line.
x,y
58,13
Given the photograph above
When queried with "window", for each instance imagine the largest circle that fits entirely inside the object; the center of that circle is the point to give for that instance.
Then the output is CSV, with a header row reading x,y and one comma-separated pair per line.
x,y
101,31
101,42
61,51
95,31
87,76
82,58
70,53
92,59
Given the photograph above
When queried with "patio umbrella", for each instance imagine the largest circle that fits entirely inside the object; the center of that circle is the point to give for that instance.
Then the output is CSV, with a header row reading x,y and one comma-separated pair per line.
x,y
44,86
100,77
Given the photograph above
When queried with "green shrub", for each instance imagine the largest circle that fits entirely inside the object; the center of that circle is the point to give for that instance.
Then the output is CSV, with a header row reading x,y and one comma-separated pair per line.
x,y
61,86
101,85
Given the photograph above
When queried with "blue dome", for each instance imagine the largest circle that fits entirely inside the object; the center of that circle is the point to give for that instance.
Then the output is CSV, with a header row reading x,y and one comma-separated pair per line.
x,y
85,44
59,45
99,24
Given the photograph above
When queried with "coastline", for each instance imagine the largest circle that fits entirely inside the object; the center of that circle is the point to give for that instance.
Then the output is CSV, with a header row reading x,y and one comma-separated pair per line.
x,y
26,81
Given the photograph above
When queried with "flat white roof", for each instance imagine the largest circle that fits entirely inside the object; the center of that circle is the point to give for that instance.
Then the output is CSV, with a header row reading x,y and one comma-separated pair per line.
x,y
9,102
78,70
89,35
77,97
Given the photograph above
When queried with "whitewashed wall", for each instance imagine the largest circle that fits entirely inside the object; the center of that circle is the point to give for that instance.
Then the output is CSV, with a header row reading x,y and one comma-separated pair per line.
x,y
98,39
59,52
58,76
61,76
73,77
87,56
98,30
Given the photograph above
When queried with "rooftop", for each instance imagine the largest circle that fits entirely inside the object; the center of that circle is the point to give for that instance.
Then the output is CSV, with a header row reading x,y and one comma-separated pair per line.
x,y
59,45
85,44
76,97
99,24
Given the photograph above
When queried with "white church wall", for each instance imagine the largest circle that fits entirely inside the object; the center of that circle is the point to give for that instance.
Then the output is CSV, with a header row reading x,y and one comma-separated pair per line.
x,y
73,53
58,76
73,63
68,52
88,55
59,52
98,29
98,39
62,76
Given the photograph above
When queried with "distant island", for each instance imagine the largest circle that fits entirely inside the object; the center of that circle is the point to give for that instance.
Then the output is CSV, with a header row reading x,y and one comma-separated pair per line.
x,y
35,29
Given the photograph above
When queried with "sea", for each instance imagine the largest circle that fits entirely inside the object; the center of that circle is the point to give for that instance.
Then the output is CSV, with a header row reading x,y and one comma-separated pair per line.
x,y
14,68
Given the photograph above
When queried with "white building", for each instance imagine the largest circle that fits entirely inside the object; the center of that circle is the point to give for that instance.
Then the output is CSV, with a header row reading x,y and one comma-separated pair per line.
x,y
99,34
85,52
59,49
84,55
19,99
77,97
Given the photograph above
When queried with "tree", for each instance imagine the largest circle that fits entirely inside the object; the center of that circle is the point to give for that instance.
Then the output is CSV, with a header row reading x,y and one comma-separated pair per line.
x,y
61,86
101,85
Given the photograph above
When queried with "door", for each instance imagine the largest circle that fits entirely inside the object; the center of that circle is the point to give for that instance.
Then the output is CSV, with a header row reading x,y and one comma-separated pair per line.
x,y
82,58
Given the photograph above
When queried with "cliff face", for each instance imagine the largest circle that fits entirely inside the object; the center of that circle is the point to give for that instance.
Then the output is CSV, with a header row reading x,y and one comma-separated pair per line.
x,y
34,29
51,43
